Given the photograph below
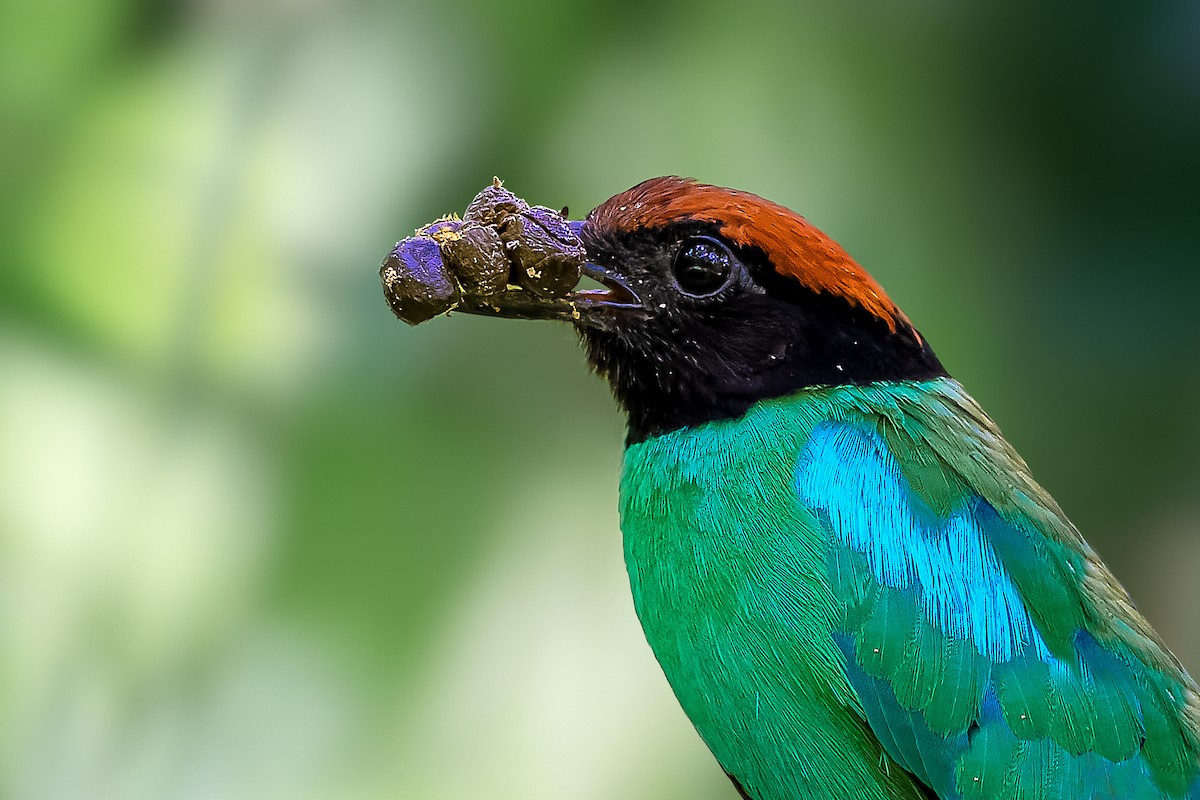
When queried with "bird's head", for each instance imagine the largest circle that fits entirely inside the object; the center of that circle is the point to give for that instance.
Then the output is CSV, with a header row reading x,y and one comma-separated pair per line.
x,y
715,299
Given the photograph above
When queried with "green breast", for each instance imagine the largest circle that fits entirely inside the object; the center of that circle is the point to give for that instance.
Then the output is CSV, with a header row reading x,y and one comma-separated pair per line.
x,y
729,580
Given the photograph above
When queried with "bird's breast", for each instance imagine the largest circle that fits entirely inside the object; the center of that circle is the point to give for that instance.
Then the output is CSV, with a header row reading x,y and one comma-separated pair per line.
x,y
728,573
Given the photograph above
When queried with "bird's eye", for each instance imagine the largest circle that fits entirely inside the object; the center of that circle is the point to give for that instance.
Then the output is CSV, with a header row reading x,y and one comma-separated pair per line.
x,y
702,266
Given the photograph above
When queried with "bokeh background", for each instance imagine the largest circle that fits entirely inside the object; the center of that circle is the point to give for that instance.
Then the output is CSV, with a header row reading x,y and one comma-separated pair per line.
x,y
260,540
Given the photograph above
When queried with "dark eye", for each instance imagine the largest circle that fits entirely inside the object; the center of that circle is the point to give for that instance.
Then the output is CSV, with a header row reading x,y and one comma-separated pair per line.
x,y
702,266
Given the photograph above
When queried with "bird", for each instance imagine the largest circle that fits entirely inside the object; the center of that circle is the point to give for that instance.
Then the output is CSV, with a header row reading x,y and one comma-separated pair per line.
x,y
851,581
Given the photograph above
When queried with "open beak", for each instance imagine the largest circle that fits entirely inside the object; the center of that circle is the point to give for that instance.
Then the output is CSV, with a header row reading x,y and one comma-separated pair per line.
x,y
590,307
598,308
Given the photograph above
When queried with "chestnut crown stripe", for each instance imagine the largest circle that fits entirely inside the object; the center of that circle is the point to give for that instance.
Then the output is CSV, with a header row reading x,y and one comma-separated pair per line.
x,y
796,248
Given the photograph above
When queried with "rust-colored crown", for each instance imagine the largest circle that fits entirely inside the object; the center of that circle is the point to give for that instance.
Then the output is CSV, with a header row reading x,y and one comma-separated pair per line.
x,y
796,248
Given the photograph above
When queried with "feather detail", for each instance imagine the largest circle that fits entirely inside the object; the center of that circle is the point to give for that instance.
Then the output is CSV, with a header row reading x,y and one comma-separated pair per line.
x,y
989,559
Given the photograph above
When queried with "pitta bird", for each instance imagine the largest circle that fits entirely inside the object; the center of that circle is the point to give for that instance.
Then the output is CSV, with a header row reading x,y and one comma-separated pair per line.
x,y
851,580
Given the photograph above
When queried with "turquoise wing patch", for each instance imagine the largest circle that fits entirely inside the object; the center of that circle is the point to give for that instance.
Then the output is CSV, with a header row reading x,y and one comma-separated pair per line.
x,y
965,681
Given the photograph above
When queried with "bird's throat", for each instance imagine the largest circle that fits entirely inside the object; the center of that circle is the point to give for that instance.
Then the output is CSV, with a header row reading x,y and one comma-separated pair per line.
x,y
672,373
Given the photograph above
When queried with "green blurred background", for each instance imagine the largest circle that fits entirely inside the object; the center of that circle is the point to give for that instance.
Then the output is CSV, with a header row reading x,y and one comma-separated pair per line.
x,y
260,540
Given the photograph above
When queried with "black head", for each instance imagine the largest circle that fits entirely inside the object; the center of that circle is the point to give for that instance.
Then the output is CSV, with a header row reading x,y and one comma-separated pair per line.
x,y
718,299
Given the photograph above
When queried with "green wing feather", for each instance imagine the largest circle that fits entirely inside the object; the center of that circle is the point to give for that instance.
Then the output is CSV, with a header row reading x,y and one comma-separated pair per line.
x,y
1083,701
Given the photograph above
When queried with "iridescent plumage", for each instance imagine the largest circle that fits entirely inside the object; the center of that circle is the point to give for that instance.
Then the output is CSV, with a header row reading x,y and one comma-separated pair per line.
x,y
852,585
851,580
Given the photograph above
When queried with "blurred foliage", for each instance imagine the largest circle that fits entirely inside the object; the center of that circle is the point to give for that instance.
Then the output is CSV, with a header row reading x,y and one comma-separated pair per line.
x,y
259,540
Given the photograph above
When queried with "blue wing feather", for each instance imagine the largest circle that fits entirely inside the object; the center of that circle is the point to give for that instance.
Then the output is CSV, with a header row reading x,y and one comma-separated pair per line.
x,y
970,685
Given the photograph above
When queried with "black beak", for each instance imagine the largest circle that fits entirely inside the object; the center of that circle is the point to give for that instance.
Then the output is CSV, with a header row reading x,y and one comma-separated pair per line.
x,y
597,308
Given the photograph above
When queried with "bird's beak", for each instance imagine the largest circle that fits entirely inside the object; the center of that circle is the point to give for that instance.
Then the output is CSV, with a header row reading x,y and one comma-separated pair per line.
x,y
597,308
602,308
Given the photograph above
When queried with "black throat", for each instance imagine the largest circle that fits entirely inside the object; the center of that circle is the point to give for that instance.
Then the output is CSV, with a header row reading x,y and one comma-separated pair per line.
x,y
683,370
